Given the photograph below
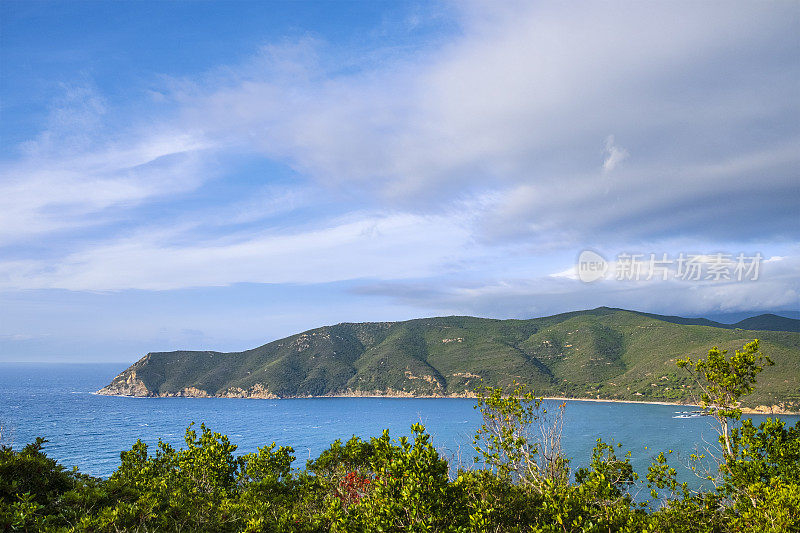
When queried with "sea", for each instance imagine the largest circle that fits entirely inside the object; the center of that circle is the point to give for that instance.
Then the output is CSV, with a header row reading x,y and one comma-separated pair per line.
x,y
57,402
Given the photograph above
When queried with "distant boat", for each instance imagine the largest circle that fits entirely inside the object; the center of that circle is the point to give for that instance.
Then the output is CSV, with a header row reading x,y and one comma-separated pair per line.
x,y
690,414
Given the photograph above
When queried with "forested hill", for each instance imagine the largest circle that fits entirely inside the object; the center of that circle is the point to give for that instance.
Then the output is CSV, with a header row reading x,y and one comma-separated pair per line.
x,y
601,353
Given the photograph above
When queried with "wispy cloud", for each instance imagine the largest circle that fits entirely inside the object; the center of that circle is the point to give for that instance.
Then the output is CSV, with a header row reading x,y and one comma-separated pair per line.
x,y
368,246
614,155
80,169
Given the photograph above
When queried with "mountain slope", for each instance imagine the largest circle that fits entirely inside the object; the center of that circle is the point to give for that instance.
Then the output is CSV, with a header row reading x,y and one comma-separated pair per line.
x,y
769,322
602,353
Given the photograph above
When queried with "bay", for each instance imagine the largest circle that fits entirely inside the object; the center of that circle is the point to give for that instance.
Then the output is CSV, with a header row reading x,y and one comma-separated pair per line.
x,y
56,401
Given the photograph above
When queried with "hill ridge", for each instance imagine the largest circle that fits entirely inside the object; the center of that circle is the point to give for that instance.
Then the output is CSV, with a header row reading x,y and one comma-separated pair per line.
x,y
602,353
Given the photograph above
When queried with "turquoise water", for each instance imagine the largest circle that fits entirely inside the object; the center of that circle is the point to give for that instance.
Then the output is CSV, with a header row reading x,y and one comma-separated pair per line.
x,y
89,431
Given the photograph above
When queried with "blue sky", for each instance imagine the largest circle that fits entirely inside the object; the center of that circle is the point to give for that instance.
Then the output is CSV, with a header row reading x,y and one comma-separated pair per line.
x,y
214,175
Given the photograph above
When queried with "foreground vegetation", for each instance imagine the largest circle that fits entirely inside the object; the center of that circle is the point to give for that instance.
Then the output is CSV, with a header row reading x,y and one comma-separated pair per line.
x,y
405,485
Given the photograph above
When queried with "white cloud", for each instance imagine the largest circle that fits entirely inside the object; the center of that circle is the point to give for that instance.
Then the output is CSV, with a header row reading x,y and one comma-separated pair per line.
x,y
614,155
49,192
369,246
85,166
21,337
777,288
517,103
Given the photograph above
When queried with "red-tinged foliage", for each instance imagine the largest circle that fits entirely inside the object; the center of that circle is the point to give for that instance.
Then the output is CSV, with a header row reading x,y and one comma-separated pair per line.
x,y
352,488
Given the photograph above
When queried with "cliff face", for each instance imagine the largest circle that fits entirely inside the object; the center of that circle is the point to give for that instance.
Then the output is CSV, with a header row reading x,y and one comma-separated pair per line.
x,y
126,384
603,353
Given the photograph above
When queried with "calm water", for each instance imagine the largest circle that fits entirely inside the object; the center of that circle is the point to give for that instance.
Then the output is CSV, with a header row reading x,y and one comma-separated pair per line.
x,y
89,431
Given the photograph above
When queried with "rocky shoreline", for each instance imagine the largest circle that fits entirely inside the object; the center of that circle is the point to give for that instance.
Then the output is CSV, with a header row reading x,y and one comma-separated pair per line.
x,y
132,387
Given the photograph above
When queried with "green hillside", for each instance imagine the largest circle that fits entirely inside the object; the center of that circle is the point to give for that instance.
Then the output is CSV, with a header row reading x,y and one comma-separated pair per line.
x,y
602,353
769,322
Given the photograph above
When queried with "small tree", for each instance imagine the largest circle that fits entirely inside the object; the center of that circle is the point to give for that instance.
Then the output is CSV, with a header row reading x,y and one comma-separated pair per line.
x,y
607,477
519,439
723,381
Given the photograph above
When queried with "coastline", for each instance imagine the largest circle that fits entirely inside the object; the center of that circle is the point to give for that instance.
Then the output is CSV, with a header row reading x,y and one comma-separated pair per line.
x,y
760,410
